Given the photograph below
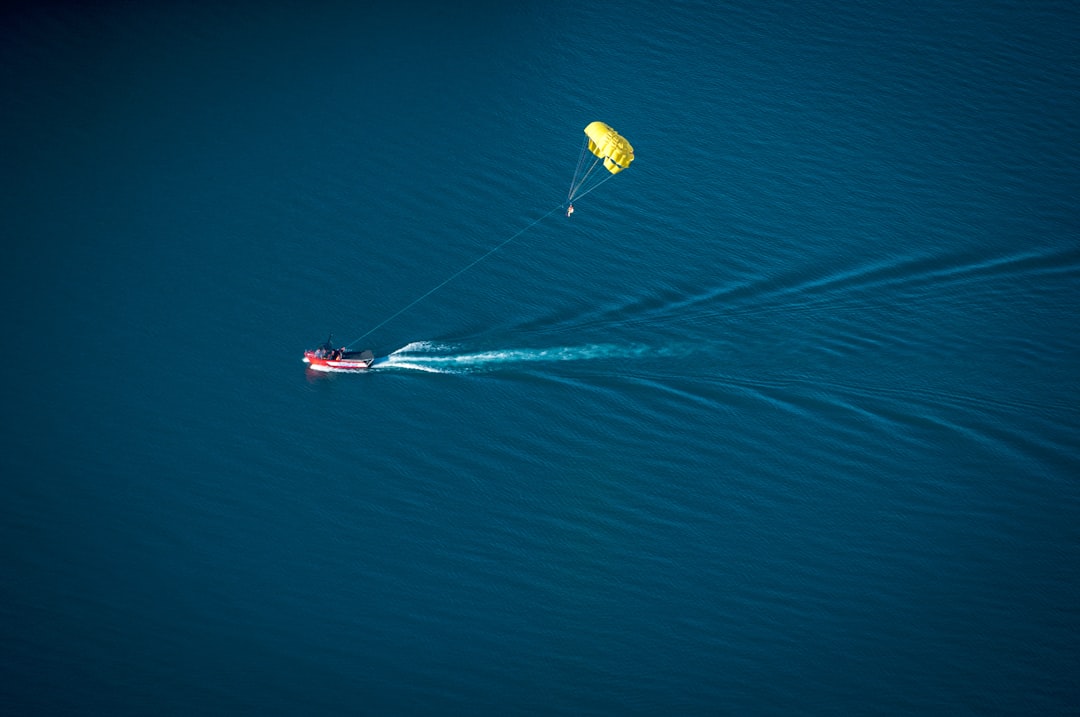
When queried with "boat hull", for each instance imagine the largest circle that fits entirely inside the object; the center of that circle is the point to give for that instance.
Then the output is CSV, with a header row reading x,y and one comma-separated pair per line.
x,y
317,362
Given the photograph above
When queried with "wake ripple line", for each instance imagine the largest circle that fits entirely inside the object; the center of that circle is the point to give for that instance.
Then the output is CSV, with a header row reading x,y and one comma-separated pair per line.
x,y
798,291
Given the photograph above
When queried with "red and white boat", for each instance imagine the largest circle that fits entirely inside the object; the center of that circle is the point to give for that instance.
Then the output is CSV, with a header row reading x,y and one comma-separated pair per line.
x,y
328,358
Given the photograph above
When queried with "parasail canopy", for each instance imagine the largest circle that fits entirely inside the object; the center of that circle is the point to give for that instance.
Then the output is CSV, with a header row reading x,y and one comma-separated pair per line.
x,y
610,146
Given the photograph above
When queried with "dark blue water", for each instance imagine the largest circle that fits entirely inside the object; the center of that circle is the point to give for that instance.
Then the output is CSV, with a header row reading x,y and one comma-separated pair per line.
x,y
785,419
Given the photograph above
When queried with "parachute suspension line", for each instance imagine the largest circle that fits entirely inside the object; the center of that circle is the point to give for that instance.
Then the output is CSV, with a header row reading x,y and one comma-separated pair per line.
x,y
574,192
595,186
580,162
453,276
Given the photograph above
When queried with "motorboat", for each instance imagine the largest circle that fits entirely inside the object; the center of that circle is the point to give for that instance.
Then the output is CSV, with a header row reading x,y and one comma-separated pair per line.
x,y
328,358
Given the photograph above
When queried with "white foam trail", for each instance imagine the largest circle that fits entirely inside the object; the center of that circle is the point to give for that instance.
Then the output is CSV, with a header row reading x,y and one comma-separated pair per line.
x,y
438,358
418,346
405,365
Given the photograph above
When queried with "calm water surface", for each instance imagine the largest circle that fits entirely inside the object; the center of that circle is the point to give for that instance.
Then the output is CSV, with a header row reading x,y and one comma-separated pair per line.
x,y
783,420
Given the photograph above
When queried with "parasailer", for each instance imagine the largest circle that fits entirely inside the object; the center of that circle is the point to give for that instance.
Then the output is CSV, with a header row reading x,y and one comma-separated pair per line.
x,y
607,145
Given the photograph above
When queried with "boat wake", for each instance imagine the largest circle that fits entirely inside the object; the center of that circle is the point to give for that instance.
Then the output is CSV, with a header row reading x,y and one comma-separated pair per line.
x,y
441,358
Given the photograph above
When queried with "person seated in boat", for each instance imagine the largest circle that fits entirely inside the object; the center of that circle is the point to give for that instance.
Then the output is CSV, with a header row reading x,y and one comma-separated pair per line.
x,y
569,210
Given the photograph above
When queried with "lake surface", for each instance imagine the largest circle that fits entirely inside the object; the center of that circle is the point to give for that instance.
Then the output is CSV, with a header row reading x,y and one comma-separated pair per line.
x,y
784,420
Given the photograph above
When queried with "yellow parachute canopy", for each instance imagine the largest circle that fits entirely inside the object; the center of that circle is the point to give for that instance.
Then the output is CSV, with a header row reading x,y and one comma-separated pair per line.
x,y
610,146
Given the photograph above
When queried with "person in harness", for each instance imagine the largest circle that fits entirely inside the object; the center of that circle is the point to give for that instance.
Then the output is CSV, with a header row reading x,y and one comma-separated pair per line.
x,y
569,210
